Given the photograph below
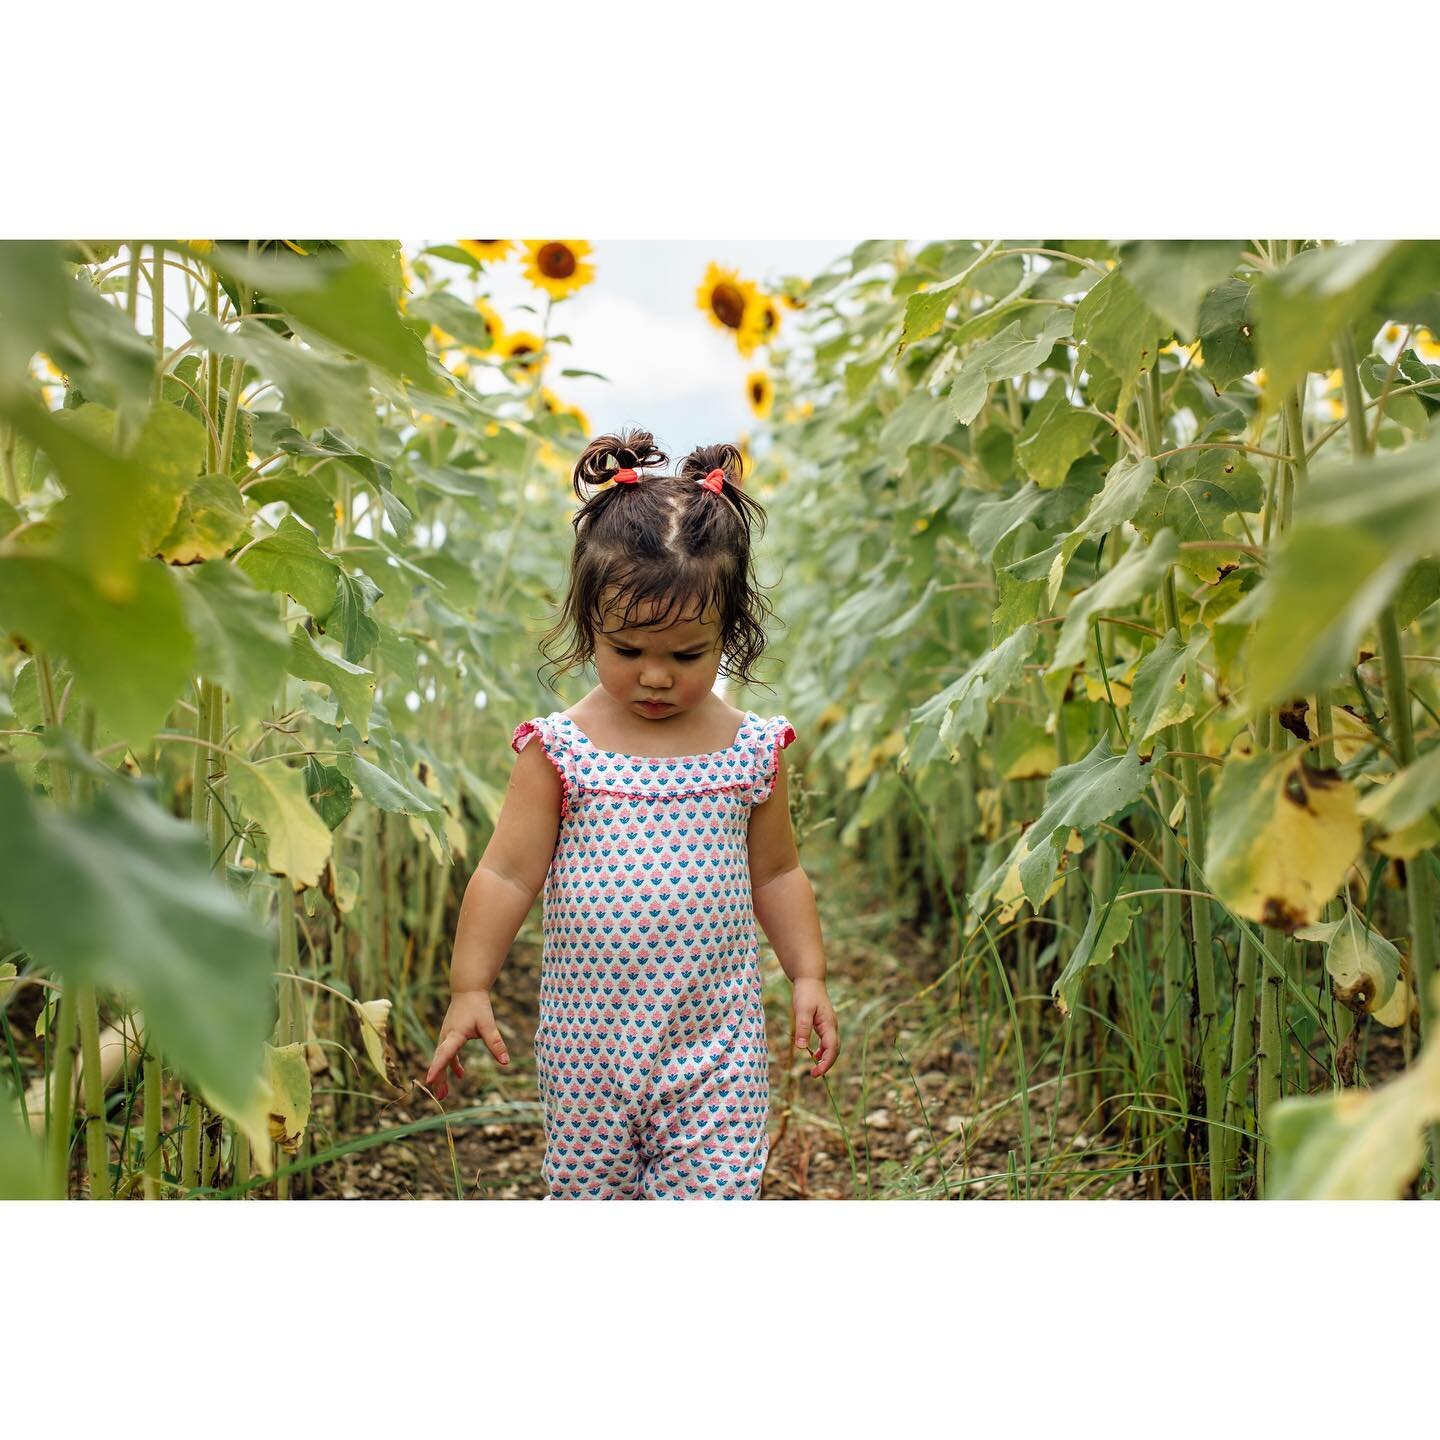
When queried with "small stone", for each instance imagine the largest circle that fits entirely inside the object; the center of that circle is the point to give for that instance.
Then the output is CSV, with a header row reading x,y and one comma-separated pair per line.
x,y
954,1124
349,1193
879,1120
820,1158
376,1170
915,1135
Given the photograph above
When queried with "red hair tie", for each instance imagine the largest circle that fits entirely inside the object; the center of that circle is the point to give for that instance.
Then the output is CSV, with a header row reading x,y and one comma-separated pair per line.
x,y
627,477
714,481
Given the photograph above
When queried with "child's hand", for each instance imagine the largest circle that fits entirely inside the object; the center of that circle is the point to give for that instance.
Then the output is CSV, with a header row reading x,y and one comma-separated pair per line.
x,y
813,1010
468,1018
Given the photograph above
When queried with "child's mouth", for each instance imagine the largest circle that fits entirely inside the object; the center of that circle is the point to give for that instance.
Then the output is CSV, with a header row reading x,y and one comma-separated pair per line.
x,y
654,707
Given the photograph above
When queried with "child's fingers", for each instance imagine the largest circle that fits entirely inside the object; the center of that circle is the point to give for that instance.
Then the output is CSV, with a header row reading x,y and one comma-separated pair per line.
x,y
829,1044
445,1052
802,1029
491,1036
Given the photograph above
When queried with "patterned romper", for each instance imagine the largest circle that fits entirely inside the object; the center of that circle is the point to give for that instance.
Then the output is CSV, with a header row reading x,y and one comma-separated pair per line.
x,y
651,1051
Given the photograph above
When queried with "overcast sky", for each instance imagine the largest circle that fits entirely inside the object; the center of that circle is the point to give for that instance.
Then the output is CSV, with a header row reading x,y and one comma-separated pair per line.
x,y
670,370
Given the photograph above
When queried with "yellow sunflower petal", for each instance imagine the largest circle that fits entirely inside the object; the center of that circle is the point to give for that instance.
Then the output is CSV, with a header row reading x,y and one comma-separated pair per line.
x,y
760,392
724,297
487,249
558,267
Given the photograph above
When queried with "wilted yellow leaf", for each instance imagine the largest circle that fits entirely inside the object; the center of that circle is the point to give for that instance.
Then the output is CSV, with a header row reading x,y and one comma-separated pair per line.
x,y
1283,837
375,1031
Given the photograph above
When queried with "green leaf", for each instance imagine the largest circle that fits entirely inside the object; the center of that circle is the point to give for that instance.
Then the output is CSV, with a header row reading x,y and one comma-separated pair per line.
x,y
391,789
342,299
1359,1144
1197,506
1173,276
1056,434
131,659
121,894
240,643
316,389
1358,528
919,419
1078,797
1107,928
1407,798
22,1156
292,561
305,496
1116,324
352,686
211,521
1125,487
1168,684
963,707
1305,305
1227,329
1282,837
329,791
1140,570
297,839
350,620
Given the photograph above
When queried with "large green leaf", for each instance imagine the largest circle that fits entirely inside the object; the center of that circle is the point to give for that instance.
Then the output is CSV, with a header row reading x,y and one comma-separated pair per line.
x,y
1357,530
350,621
292,561
239,641
1305,305
1227,333
352,685
340,298
963,707
391,788
1140,570
1077,797
1174,276
1107,928
121,894
212,520
317,390
131,659
1168,684
1056,434
1116,324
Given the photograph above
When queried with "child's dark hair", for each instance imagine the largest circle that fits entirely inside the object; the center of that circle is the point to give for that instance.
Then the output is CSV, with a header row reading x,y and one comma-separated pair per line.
x,y
664,539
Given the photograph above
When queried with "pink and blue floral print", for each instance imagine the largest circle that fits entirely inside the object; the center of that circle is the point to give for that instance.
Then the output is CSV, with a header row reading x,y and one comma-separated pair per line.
x,y
651,1050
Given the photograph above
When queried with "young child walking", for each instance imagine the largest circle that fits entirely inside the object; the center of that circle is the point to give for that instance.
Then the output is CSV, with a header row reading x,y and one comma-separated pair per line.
x,y
656,817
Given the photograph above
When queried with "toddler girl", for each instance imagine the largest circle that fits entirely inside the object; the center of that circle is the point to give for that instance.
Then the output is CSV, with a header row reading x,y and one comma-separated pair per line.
x,y
657,819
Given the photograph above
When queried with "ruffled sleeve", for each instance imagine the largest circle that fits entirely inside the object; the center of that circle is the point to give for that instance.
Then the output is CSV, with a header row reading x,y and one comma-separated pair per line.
x,y
776,734
556,749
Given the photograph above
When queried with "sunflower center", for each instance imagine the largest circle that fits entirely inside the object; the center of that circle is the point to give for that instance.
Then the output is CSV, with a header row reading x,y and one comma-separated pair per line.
x,y
484,242
769,318
757,391
728,304
555,261
521,349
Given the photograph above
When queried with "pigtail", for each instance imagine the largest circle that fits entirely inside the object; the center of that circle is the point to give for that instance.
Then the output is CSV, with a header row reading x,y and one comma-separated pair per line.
x,y
605,454
727,459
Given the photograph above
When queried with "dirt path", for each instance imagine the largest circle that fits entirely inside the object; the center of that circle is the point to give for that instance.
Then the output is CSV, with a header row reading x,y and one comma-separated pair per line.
x,y
905,1094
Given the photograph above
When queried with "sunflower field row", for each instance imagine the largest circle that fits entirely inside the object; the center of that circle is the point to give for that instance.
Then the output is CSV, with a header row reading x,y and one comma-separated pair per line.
x,y
1110,578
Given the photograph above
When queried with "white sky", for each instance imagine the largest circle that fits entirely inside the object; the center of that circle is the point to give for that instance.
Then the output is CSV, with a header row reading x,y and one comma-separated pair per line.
x,y
671,370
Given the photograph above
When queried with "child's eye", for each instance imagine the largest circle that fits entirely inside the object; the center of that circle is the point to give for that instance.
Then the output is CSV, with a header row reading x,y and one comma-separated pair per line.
x,y
621,650
695,656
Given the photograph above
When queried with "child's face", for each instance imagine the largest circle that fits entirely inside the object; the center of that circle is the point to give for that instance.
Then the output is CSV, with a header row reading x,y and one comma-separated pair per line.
x,y
676,665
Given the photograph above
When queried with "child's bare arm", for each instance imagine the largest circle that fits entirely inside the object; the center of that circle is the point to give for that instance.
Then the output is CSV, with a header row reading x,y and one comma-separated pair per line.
x,y
784,902
497,900
510,872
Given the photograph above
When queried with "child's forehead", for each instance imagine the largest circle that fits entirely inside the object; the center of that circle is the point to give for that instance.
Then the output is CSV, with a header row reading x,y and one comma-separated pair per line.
x,y
684,620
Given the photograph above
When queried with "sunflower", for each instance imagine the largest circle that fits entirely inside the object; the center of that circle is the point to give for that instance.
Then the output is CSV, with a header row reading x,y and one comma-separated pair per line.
x,y
758,325
494,325
578,416
486,249
558,267
760,391
442,338
548,401
724,297
793,296
524,348
1425,346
